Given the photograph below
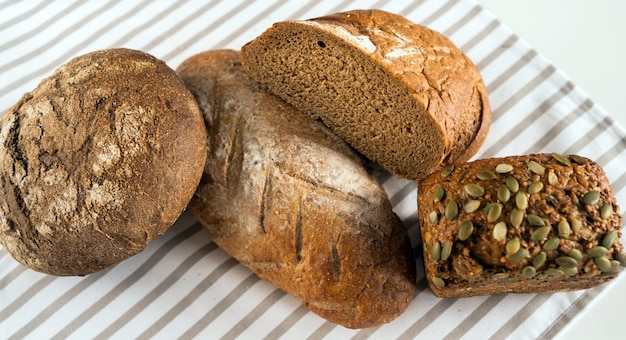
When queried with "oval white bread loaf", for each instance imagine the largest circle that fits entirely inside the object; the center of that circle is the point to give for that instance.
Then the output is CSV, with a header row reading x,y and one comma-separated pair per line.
x,y
291,201
401,94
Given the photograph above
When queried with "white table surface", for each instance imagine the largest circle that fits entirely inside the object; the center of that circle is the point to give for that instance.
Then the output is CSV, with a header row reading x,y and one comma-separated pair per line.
x,y
585,40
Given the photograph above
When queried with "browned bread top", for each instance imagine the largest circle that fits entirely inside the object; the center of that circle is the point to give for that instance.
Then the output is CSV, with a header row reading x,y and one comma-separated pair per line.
x,y
400,93
524,224
98,160
290,200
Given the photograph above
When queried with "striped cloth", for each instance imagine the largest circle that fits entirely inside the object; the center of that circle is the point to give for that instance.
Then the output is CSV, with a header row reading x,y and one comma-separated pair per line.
x,y
183,285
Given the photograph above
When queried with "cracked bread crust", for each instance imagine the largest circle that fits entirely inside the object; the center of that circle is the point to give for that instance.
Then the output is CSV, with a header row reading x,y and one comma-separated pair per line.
x,y
538,223
400,93
291,201
97,161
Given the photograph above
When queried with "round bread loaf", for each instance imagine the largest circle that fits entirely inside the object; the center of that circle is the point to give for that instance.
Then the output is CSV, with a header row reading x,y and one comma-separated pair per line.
x,y
97,161
400,93
293,202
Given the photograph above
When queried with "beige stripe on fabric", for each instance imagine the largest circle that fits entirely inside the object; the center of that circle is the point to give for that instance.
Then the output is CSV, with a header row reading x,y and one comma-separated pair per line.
x,y
299,313
211,278
440,12
218,309
161,288
145,267
463,21
478,313
39,73
25,16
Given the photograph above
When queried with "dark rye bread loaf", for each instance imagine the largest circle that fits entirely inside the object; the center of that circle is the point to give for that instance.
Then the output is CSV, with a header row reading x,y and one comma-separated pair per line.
x,y
523,224
97,161
291,201
401,94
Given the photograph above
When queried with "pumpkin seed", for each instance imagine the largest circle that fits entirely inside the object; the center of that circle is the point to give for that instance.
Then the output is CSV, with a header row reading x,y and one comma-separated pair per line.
x,y
512,184
438,193
621,257
570,271
512,246
575,254
447,170
516,217
551,244
504,193
499,276
518,256
575,224
606,211
435,251
433,218
504,168
521,200
494,213
609,239
529,271
452,210
499,231
561,159
578,159
553,179
540,233
488,207
474,190
446,250
597,251
539,260
471,206
535,220
566,262
553,272
615,265
465,231
486,175
438,282
536,168
591,198
603,264
535,188
564,229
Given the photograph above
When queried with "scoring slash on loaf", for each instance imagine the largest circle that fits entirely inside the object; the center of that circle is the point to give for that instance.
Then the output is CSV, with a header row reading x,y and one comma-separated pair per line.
x,y
400,93
523,224
290,200
97,161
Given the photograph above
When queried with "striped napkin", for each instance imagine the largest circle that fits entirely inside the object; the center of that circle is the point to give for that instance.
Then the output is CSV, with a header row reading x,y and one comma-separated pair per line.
x,y
183,285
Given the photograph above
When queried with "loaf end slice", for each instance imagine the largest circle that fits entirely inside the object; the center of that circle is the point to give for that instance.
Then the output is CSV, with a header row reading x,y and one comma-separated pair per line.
x,y
521,224
400,93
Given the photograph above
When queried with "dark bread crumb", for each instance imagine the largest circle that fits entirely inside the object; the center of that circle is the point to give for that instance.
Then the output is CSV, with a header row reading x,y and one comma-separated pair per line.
x,y
400,93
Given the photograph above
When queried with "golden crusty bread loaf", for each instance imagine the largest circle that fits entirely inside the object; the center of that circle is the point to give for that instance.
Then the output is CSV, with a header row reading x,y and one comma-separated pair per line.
x,y
522,224
97,161
400,93
291,201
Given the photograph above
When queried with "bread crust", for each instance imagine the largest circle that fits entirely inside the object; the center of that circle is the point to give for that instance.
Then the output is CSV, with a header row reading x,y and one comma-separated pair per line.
x,y
432,97
539,236
97,161
291,201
